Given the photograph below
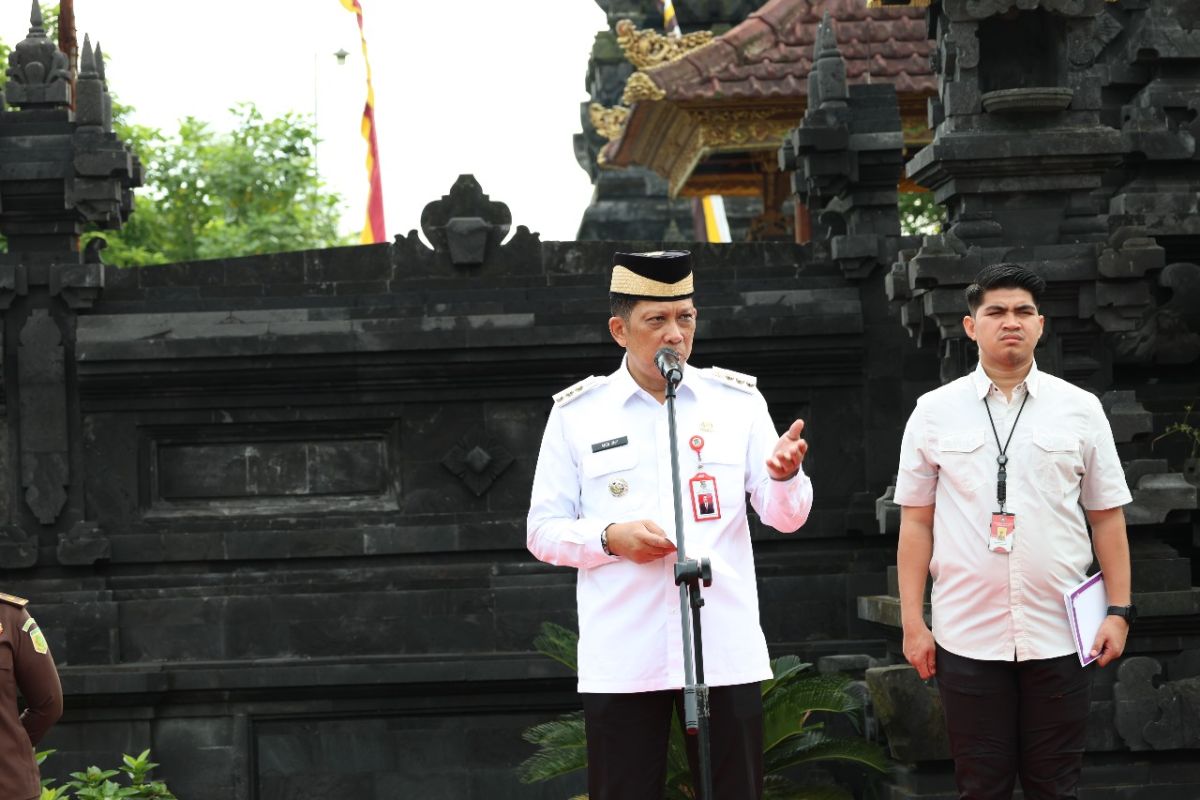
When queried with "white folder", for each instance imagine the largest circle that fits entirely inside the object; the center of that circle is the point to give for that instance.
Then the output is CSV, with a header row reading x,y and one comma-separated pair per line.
x,y
1087,606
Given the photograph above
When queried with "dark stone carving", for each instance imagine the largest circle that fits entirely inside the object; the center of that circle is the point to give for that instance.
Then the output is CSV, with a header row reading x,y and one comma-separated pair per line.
x,y
1156,717
465,223
478,462
845,159
466,229
18,549
44,445
83,545
38,74
910,712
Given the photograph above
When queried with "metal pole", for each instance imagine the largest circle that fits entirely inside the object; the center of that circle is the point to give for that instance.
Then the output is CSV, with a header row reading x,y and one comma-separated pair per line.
x,y
688,574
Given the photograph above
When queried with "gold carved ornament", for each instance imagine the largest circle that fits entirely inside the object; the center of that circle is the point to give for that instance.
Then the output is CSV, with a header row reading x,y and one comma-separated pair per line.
x,y
608,122
649,48
640,87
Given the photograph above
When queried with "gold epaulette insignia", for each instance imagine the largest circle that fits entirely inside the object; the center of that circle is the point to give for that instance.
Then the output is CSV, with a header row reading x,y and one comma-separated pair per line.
x,y
19,602
577,391
735,380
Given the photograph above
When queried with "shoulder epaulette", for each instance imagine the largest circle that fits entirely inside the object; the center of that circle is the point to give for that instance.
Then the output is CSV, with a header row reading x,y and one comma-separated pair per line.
x,y
734,380
19,602
577,391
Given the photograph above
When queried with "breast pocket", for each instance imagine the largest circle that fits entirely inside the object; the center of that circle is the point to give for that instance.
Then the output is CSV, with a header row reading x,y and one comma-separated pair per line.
x,y
608,478
1057,463
722,458
962,461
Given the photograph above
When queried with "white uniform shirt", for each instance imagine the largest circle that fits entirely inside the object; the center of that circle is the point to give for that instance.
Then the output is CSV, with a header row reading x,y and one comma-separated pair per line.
x,y
629,615
1062,460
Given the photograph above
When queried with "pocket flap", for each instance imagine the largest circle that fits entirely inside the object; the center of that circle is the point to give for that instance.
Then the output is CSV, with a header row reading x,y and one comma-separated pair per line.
x,y
963,442
606,461
1055,442
722,452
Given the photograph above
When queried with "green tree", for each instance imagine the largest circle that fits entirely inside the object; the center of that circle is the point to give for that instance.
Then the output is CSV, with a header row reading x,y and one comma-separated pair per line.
x,y
215,195
795,706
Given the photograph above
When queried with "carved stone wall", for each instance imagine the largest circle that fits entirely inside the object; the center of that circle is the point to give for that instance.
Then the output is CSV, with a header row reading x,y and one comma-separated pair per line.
x,y
310,474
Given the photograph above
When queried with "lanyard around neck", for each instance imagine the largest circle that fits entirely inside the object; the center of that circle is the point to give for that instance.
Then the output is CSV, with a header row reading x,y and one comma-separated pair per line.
x,y
1002,459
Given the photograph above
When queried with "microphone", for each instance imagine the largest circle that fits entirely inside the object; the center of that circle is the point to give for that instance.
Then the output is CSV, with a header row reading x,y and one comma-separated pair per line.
x,y
668,363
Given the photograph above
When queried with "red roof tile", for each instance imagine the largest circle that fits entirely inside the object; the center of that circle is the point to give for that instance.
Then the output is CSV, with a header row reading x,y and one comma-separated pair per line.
x,y
770,54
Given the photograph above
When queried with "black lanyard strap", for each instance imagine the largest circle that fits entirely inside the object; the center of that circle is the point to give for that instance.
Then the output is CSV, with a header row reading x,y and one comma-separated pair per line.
x,y
1002,459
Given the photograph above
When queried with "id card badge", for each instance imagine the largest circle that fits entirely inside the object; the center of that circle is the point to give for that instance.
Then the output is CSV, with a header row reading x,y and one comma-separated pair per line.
x,y
706,504
1004,527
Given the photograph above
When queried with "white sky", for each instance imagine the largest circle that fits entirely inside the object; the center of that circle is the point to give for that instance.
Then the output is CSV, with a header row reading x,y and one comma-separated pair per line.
x,y
475,86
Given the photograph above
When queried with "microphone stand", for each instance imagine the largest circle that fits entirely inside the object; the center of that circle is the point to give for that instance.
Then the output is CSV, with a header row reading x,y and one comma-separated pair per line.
x,y
689,573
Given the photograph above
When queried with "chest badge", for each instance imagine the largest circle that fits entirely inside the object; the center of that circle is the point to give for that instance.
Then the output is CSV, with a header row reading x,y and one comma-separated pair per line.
x,y
618,487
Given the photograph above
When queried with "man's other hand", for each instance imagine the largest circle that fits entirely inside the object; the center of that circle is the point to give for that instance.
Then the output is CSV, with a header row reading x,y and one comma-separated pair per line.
x,y
788,454
919,649
640,541
1110,640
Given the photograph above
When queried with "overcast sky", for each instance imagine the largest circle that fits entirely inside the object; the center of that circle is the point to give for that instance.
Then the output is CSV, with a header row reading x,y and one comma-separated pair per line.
x,y
479,86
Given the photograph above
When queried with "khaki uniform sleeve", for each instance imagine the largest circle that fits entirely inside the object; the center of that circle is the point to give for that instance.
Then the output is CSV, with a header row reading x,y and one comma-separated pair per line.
x,y
37,678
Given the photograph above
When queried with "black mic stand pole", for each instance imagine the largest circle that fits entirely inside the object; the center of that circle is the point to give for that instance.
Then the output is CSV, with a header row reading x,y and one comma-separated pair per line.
x,y
688,574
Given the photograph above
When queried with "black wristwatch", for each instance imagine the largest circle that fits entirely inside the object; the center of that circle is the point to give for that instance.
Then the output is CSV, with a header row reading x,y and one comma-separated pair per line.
x,y
1128,613
604,541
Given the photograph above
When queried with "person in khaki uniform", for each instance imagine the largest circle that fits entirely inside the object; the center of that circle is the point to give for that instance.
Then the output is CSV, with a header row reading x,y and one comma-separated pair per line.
x,y
26,666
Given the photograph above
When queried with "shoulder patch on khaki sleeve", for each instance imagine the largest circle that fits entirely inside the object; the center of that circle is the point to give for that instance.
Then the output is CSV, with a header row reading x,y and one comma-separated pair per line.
x,y
12,599
573,393
735,380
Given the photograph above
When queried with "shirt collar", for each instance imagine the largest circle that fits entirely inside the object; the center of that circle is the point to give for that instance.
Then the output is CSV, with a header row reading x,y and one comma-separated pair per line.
x,y
625,387
983,383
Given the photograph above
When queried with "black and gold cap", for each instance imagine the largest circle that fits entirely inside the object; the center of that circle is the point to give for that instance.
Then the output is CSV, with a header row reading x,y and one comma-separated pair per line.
x,y
659,275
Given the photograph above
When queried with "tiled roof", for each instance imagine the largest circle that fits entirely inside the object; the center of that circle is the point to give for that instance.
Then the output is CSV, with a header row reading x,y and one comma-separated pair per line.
x,y
770,54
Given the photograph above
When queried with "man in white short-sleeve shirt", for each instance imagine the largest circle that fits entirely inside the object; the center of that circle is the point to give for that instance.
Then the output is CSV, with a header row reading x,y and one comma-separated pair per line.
x,y
1000,474
602,502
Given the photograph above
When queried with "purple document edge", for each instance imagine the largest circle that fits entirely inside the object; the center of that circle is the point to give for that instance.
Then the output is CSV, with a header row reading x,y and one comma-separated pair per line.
x,y
1084,660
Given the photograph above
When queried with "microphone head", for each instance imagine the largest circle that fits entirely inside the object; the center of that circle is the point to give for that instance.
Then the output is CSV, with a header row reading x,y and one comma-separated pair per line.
x,y
669,364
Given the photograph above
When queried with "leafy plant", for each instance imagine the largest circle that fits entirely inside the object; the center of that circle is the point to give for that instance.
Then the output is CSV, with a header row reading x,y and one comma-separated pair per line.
x,y
795,706
1185,429
98,784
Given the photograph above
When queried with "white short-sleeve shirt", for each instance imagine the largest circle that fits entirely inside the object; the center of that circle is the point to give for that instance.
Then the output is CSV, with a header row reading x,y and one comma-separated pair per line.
x,y
1062,460
605,457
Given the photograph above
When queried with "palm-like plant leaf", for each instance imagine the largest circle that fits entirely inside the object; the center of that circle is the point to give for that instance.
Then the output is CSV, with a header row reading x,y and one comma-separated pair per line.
x,y
559,643
787,708
782,670
562,749
806,748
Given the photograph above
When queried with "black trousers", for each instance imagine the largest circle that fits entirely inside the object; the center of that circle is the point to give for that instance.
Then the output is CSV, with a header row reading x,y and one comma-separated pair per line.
x,y
627,743
1015,718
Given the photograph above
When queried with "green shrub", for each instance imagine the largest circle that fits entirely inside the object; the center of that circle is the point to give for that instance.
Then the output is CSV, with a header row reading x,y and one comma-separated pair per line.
x,y
98,784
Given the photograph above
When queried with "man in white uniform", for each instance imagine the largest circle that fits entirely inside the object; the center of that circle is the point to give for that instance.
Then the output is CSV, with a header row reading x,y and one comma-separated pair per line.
x,y
602,503
1000,474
